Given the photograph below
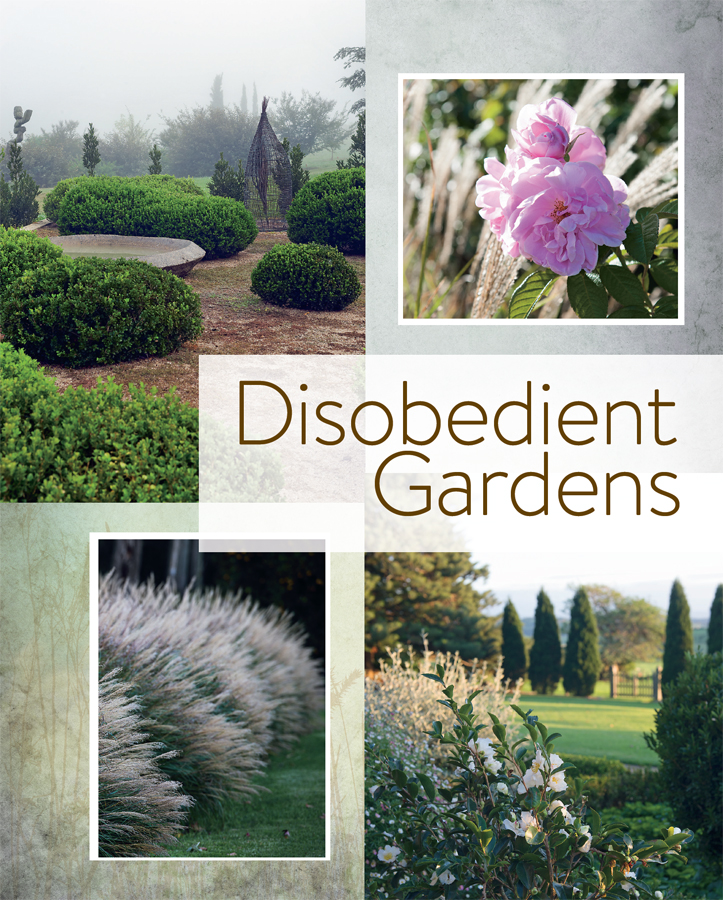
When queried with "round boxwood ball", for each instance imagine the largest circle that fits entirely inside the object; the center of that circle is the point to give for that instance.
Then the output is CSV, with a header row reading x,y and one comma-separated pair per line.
x,y
305,276
329,209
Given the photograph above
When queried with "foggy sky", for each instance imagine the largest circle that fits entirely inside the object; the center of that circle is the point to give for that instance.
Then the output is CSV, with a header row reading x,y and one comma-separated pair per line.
x,y
520,576
95,61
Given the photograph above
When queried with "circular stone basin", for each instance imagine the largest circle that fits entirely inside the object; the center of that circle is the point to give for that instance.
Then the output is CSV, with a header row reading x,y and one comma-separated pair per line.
x,y
177,256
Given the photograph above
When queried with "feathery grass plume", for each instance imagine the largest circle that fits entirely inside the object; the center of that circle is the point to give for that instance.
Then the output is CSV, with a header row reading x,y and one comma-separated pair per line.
x,y
658,181
402,685
280,658
218,753
139,812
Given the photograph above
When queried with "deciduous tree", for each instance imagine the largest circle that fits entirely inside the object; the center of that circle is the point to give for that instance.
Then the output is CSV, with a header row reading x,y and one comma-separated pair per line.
x,y
629,628
407,593
310,121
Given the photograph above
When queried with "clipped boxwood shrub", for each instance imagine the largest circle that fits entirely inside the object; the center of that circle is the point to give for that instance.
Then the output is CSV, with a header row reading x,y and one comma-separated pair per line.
x,y
91,445
21,251
606,782
310,276
88,311
688,738
142,208
53,199
329,209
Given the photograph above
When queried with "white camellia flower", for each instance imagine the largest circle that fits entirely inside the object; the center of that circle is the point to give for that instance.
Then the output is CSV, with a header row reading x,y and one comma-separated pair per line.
x,y
446,878
558,804
531,778
484,748
557,782
519,828
658,895
502,788
626,886
388,853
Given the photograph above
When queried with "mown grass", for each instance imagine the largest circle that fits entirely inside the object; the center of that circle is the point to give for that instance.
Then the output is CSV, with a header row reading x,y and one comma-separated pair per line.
x,y
294,802
598,727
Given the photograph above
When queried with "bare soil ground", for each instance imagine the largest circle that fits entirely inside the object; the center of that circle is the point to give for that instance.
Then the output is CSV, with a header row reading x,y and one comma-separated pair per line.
x,y
236,322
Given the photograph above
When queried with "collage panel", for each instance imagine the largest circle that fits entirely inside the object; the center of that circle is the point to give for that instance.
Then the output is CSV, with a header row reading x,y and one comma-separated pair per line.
x,y
307,589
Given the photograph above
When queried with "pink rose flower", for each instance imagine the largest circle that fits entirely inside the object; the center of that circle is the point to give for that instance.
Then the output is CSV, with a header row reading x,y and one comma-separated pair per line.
x,y
569,209
542,129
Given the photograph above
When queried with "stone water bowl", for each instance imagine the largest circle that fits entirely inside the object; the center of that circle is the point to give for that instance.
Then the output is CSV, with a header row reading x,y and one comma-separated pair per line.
x,y
177,256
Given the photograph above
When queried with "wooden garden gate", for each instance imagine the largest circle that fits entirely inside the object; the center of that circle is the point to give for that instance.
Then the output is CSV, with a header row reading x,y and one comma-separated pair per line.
x,y
643,686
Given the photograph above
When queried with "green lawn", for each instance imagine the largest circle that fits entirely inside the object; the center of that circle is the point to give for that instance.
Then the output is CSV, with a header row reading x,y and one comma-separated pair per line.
x,y
294,802
597,727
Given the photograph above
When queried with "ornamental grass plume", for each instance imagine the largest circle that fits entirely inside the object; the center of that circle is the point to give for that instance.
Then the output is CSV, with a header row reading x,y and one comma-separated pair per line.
x,y
220,680
452,264
139,811
401,702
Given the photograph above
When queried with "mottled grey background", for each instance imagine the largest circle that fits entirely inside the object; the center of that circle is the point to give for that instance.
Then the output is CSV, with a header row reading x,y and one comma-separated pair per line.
x,y
553,36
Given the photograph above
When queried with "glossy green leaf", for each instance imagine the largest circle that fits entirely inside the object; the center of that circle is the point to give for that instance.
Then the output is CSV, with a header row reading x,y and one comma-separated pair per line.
x,y
666,307
667,209
530,292
665,273
587,296
641,238
630,312
624,286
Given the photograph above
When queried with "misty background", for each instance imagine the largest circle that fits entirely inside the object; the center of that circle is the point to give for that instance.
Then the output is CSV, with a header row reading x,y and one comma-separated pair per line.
x,y
79,61
649,576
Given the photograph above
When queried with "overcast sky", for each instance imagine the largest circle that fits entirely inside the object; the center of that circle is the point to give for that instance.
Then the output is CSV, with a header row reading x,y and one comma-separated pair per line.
x,y
95,61
520,576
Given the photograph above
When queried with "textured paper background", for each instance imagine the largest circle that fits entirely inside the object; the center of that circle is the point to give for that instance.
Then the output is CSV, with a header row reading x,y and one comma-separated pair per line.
x,y
45,740
498,36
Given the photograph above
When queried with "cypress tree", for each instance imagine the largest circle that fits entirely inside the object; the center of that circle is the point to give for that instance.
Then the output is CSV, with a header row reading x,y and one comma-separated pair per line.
x,y
715,624
91,154
546,652
582,655
678,634
514,652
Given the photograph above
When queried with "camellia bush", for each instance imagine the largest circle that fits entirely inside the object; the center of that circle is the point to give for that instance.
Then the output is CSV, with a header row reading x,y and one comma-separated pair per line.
x,y
500,828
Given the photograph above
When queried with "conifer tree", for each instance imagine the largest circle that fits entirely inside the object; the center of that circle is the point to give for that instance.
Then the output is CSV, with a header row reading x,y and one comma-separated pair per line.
x,y
155,156
715,624
299,175
217,93
678,634
244,101
546,652
582,655
255,103
514,652
91,154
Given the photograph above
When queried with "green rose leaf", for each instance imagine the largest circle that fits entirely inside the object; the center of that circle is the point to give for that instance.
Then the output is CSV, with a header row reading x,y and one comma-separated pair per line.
x,y
666,307
624,286
667,209
641,238
665,272
530,293
587,296
630,312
